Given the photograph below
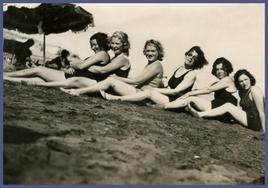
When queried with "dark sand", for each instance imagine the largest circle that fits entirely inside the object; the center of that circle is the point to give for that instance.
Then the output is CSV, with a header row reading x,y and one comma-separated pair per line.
x,y
51,137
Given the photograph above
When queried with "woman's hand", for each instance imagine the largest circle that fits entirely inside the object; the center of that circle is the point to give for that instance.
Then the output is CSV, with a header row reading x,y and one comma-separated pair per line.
x,y
69,70
186,95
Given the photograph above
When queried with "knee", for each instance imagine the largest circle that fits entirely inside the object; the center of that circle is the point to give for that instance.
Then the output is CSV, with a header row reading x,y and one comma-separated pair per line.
x,y
228,105
107,80
39,69
111,82
74,79
152,94
148,93
191,99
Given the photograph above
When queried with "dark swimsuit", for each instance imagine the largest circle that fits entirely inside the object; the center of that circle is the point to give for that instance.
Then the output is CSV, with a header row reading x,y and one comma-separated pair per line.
x,y
174,82
253,118
220,98
97,76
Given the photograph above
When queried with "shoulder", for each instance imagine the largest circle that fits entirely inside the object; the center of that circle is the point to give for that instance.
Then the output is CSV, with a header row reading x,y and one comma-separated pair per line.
x,y
156,66
255,90
226,80
123,59
191,73
102,54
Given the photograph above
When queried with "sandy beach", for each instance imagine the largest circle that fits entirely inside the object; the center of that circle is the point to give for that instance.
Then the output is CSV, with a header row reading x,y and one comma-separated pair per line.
x,y
51,137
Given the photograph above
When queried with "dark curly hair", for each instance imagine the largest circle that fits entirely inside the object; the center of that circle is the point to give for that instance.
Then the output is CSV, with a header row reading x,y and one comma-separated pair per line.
x,y
200,60
227,65
64,53
102,40
123,37
245,72
158,47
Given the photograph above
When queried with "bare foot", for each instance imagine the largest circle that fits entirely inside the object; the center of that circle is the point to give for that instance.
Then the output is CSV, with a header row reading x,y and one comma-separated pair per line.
x,y
193,111
74,92
108,96
156,106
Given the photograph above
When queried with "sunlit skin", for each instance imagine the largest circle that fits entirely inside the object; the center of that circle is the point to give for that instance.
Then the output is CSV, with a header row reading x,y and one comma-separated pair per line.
x,y
220,71
190,58
94,45
116,46
151,53
244,82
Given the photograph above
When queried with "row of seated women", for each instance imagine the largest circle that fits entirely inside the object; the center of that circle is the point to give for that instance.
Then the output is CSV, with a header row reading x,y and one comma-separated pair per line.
x,y
100,73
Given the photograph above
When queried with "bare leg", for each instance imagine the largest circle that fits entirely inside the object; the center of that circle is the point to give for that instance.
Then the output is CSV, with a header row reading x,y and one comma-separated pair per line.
x,y
156,97
30,81
47,74
139,96
118,86
201,104
236,112
74,82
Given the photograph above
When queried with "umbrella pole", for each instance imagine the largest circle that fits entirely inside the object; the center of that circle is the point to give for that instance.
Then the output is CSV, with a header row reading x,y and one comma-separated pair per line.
x,y
44,49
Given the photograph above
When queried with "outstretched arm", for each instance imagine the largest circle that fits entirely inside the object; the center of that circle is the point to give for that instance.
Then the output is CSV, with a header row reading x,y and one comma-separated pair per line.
x,y
115,64
97,58
148,73
222,84
259,101
189,80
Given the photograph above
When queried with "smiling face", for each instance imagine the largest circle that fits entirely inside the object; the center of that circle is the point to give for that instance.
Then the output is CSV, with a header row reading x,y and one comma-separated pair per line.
x,y
190,58
116,45
94,45
244,82
220,71
151,53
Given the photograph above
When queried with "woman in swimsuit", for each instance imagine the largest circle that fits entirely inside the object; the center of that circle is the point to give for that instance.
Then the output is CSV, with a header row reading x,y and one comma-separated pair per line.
x,y
223,91
252,103
150,77
181,81
82,74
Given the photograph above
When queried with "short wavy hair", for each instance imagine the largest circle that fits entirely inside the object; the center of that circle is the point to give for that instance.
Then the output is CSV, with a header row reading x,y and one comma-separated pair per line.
x,y
227,65
123,37
102,40
158,47
200,61
245,72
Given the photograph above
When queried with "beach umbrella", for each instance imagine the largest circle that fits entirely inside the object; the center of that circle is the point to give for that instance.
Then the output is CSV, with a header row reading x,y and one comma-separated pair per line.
x,y
47,18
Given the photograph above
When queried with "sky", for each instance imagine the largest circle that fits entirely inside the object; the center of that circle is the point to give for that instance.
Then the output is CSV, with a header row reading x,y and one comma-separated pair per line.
x,y
233,31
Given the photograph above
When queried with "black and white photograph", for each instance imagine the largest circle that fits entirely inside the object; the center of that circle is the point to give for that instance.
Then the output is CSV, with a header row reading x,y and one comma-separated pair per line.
x,y
133,93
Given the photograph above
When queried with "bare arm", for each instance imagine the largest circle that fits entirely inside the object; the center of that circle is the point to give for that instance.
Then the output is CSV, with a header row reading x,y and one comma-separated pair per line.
x,y
222,84
96,58
146,74
259,101
189,80
115,64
